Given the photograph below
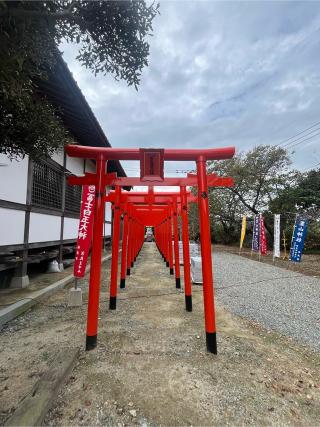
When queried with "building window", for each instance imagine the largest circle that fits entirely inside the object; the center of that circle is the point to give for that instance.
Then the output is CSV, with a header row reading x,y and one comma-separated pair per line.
x,y
73,198
47,185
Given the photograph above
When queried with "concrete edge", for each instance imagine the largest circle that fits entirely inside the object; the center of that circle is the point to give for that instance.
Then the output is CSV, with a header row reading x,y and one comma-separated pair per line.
x,y
32,410
19,307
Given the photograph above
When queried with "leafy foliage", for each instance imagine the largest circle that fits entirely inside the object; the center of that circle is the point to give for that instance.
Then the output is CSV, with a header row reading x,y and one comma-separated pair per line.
x,y
301,197
111,37
263,184
258,174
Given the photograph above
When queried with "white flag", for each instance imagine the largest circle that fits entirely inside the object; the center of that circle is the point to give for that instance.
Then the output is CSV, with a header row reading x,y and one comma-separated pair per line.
x,y
276,237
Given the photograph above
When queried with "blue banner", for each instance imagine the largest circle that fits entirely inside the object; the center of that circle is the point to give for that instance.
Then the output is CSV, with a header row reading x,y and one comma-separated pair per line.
x,y
256,234
298,237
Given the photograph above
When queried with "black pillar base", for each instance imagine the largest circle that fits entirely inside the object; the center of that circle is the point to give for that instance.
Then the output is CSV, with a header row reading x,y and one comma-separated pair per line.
x,y
167,263
188,299
211,339
91,342
128,271
171,271
113,303
132,264
122,283
178,283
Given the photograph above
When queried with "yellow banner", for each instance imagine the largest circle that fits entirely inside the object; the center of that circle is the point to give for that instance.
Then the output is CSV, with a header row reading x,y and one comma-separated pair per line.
x,y
243,230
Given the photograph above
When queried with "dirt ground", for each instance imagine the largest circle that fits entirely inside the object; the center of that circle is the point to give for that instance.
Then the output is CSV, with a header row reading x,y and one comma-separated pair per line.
x,y
151,368
309,265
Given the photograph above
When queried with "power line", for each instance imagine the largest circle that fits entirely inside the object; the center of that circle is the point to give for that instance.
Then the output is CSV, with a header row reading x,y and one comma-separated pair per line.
x,y
301,137
306,139
299,133
313,166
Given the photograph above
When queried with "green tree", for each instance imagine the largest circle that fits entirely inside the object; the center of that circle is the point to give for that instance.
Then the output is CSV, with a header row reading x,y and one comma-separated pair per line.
x,y
112,38
301,197
259,175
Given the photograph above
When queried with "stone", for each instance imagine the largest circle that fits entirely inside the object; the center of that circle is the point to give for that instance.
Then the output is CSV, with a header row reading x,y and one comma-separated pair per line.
x,y
19,282
75,297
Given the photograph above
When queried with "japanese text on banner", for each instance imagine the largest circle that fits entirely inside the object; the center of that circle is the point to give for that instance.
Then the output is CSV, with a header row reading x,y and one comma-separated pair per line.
x,y
276,239
85,230
256,233
263,237
298,238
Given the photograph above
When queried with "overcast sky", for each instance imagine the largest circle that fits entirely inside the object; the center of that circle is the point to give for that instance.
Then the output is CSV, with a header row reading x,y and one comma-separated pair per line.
x,y
220,73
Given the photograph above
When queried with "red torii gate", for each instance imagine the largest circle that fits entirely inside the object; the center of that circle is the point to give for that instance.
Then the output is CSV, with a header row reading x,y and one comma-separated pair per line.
x,y
168,218
153,172
142,202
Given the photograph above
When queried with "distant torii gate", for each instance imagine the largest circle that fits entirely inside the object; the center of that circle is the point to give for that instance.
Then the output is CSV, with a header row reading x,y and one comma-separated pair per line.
x,y
152,161
142,201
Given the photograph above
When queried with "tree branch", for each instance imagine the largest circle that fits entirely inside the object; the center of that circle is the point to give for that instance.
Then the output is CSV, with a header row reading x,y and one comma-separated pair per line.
x,y
251,208
25,13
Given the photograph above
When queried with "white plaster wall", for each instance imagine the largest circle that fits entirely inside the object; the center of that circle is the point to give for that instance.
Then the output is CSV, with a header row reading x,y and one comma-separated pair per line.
x,y
108,212
58,157
44,228
108,229
90,166
75,165
13,179
11,226
70,230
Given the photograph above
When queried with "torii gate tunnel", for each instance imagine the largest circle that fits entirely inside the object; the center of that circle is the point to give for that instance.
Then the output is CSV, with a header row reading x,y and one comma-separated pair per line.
x,y
159,210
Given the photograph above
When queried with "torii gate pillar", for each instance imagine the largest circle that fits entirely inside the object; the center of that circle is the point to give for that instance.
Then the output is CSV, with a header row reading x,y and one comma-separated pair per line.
x,y
186,249
206,257
95,272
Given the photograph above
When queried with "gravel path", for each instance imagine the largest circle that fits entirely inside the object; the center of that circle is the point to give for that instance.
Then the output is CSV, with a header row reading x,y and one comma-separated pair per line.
x,y
278,299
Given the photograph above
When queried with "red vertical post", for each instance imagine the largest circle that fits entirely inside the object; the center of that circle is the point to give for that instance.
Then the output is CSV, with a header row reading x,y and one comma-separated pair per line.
x,y
176,244
205,240
165,242
186,249
133,230
124,249
134,246
115,250
170,241
162,241
129,241
95,270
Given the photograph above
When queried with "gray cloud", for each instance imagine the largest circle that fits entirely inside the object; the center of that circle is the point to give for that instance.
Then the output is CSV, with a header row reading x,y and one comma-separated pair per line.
x,y
220,73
